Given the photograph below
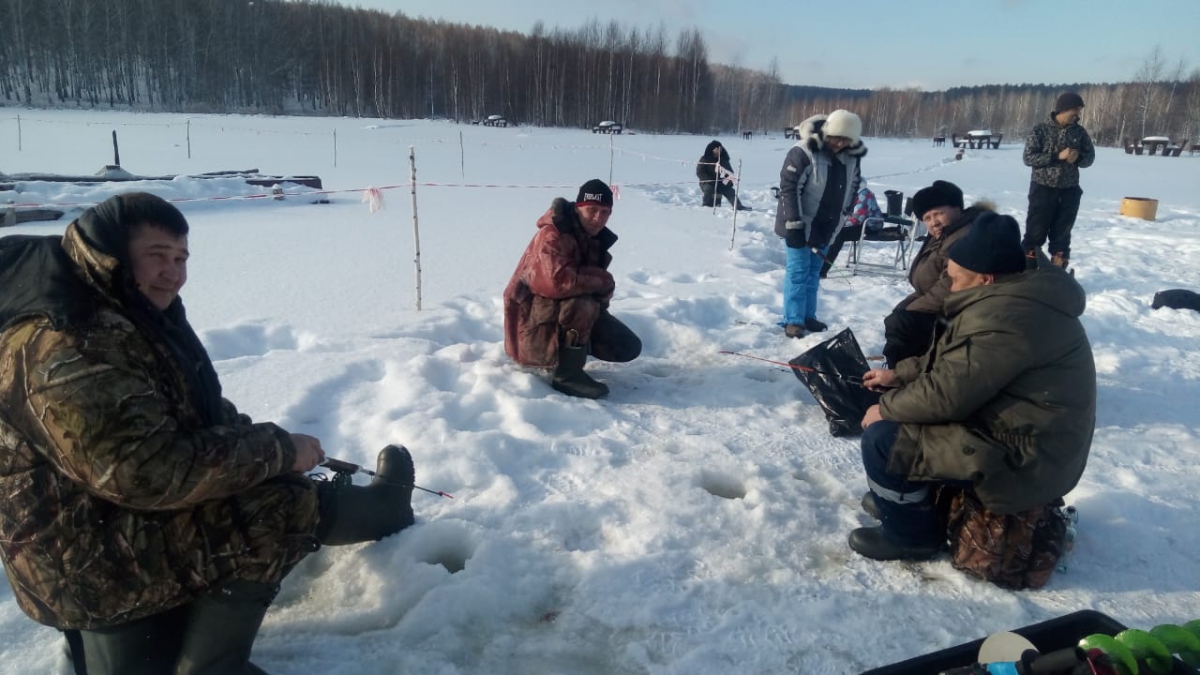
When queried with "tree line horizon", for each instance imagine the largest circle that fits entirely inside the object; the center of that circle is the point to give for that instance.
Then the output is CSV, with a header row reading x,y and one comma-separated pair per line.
x,y
314,57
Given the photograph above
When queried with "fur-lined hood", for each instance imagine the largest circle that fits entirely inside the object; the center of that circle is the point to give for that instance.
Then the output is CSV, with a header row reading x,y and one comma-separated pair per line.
x,y
812,137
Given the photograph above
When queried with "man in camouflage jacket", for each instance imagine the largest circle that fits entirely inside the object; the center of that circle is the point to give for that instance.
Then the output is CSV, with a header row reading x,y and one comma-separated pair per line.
x,y
133,492
1056,149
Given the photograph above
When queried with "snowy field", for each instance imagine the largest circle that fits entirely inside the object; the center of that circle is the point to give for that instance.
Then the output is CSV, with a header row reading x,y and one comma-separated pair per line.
x,y
696,520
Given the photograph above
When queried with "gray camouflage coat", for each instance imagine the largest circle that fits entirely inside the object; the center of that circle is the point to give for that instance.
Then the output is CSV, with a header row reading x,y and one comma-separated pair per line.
x,y
1041,152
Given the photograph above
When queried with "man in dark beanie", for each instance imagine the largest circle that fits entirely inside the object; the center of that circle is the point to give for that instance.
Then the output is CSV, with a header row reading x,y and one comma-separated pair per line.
x,y
1056,149
1003,404
908,330
143,515
556,304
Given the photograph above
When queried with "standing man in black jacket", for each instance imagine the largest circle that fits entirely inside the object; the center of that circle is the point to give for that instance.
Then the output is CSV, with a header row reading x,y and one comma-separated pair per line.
x,y
1056,149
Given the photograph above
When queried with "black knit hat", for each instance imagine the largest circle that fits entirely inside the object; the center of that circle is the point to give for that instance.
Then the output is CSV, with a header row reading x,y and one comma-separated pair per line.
x,y
941,193
1068,101
595,191
991,246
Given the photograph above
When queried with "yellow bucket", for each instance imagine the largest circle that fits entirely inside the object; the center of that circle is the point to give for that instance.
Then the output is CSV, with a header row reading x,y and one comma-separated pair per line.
x,y
1139,207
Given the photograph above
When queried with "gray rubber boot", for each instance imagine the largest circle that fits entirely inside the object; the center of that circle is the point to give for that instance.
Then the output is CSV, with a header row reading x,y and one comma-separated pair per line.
x,y
352,514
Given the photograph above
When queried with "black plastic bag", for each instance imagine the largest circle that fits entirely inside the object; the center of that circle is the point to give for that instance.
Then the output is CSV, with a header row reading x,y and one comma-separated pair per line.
x,y
844,402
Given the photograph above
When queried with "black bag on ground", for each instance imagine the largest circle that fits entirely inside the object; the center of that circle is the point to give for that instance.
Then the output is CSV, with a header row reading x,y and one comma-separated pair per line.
x,y
1177,298
844,402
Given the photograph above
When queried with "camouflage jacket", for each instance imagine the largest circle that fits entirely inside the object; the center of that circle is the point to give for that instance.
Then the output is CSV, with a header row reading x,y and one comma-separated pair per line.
x,y
561,262
118,499
1041,152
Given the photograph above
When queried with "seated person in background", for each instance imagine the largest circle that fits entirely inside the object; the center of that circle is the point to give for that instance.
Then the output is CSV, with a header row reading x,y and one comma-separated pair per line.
x,y
143,514
716,177
556,304
864,213
908,330
1004,402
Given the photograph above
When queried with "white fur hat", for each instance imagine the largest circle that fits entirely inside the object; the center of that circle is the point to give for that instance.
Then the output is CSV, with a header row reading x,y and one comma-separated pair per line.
x,y
843,123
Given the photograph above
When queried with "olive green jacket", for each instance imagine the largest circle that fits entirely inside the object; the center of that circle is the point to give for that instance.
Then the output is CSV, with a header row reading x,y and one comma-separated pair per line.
x,y
1006,396
118,500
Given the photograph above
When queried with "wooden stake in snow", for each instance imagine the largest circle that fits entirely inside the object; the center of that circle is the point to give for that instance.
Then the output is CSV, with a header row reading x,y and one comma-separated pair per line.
x,y
335,148
611,151
19,145
737,201
412,177
462,156
189,138
116,150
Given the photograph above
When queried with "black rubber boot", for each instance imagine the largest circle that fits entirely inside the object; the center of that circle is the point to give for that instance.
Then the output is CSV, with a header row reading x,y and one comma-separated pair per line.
x,y
221,629
871,542
352,514
908,532
569,377
812,325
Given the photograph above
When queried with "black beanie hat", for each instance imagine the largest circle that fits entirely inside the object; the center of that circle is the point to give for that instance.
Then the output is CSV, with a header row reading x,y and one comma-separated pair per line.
x,y
991,246
1068,101
941,193
595,191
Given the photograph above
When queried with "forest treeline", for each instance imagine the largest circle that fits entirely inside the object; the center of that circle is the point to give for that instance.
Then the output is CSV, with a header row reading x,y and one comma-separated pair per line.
x,y
316,57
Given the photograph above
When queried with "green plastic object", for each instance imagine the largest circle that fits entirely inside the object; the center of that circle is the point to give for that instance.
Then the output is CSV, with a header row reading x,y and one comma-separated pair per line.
x,y
1122,658
1147,649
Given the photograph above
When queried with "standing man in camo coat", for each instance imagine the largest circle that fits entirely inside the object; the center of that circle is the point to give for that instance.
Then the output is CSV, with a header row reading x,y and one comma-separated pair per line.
x,y
141,513
1056,149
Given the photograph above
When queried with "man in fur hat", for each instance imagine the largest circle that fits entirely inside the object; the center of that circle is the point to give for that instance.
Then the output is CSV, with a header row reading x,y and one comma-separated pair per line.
x,y
817,186
908,330
1056,149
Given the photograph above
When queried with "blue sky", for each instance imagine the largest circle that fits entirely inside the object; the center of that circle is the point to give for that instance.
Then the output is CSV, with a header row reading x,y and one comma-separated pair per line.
x,y
932,44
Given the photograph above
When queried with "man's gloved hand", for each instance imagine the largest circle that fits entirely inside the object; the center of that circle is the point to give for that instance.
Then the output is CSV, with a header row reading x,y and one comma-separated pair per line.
x,y
795,235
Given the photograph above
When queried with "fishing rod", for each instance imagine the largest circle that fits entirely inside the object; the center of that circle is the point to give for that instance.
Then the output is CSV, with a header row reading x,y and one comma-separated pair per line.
x,y
851,379
348,468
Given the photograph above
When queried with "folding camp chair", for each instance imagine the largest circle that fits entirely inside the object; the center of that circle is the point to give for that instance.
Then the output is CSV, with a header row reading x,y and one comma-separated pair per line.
x,y
900,230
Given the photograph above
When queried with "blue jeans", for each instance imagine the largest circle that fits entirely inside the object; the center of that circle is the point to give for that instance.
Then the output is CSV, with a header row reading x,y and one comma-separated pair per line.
x,y
801,279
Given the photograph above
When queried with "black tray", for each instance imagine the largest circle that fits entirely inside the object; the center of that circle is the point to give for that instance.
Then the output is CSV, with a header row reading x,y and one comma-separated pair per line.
x,y
1047,636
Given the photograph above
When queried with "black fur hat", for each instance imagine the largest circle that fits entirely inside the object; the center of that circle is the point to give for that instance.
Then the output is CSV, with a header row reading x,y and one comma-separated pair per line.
x,y
941,193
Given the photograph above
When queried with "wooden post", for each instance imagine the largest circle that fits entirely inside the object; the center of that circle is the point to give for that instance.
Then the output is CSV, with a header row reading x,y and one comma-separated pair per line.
x,y
19,145
462,156
189,138
412,177
116,150
335,148
611,151
737,200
